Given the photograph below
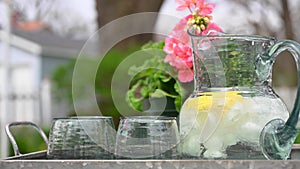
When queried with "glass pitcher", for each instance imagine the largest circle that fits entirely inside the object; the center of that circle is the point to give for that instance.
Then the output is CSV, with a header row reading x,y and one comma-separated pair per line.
x,y
233,112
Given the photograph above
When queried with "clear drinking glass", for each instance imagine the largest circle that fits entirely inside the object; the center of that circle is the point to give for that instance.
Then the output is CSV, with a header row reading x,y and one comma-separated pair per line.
x,y
82,137
147,137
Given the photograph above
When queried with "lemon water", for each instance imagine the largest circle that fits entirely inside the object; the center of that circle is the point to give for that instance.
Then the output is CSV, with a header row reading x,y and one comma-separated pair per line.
x,y
219,125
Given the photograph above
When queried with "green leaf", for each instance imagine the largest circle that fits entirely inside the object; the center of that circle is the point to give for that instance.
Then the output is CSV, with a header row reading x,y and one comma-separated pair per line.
x,y
178,103
151,78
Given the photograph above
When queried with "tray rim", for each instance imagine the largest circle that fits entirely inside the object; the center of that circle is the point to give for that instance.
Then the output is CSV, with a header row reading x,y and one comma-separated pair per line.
x,y
41,156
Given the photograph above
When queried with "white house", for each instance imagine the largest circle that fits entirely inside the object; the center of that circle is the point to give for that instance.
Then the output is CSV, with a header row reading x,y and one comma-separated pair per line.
x,y
33,56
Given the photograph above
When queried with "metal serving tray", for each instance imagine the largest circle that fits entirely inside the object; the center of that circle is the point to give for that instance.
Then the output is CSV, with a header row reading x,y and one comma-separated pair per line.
x,y
38,160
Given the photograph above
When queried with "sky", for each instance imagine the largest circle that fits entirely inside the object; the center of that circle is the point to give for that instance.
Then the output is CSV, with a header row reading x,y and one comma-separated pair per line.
x,y
84,8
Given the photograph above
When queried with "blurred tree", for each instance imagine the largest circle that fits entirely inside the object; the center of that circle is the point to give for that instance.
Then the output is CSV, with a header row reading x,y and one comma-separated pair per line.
x,y
286,17
269,17
109,10
31,10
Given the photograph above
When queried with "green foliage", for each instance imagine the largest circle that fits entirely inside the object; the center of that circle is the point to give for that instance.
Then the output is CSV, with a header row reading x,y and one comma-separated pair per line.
x,y
154,78
62,80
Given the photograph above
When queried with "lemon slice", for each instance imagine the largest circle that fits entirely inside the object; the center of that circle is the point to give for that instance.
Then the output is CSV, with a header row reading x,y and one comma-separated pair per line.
x,y
221,101
208,111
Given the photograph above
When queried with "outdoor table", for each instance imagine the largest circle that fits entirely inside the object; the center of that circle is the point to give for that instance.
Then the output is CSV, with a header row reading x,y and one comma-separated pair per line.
x,y
37,160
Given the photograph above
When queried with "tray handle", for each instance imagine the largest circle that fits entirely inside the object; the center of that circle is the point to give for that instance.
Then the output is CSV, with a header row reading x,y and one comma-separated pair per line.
x,y
22,123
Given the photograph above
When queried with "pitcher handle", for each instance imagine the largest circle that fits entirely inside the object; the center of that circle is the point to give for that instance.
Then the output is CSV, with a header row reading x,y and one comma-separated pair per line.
x,y
277,137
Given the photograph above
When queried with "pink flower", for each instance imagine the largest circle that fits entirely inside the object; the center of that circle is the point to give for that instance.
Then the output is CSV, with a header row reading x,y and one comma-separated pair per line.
x,y
169,45
186,75
203,8
184,54
179,31
200,6
179,52
177,44
212,29
185,4
179,55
